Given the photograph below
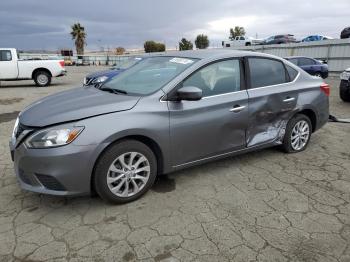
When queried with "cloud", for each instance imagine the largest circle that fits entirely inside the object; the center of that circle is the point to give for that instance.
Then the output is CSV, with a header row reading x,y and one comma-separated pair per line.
x,y
37,24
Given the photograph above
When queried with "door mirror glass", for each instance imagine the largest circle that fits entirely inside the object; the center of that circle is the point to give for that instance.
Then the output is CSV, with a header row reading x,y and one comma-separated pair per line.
x,y
189,93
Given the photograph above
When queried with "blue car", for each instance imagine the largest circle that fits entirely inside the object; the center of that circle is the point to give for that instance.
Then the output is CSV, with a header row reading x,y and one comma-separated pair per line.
x,y
102,76
310,65
312,38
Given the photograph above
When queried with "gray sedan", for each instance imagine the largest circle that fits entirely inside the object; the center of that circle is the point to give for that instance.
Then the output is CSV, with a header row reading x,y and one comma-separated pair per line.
x,y
166,113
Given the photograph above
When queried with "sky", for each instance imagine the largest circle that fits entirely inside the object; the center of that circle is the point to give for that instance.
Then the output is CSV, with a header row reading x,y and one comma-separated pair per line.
x,y
45,24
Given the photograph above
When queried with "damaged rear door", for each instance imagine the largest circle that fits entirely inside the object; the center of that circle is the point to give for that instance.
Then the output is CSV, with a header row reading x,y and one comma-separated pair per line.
x,y
272,100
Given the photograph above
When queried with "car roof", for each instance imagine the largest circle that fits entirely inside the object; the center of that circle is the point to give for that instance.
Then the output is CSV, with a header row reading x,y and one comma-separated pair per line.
x,y
211,54
291,57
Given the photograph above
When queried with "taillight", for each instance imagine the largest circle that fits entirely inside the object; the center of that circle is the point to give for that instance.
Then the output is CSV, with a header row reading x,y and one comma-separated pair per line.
x,y
61,63
326,89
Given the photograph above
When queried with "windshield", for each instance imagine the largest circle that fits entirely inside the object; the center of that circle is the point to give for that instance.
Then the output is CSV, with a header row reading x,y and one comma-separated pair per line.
x,y
148,75
126,63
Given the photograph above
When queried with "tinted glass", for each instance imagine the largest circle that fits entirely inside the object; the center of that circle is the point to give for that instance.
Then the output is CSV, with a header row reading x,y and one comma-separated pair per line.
x,y
293,60
5,55
149,75
305,61
292,72
266,72
217,78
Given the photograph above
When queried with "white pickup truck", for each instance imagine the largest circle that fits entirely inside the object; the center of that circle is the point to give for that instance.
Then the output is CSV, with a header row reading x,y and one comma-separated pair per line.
x,y
41,71
241,41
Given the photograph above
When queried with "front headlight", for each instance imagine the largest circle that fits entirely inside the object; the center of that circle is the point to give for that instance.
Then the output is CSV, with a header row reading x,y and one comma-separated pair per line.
x,y
53,137
14,131
345,75
100,79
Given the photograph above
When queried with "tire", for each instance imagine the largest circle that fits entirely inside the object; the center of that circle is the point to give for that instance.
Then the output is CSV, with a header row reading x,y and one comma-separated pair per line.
x,y
289,144
42,78
122,180
318,74
344,93
247,44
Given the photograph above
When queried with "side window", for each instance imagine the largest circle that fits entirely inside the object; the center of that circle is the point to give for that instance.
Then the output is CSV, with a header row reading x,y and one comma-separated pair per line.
x,y
5,55
266,72
217,78
292,72
305,61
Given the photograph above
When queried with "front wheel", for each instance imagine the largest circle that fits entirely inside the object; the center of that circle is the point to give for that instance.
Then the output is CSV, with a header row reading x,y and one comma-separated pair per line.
x,y
298,134
125,172
42,78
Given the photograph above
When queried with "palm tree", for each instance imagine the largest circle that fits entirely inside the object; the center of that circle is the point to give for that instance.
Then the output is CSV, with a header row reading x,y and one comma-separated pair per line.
x,y
79,35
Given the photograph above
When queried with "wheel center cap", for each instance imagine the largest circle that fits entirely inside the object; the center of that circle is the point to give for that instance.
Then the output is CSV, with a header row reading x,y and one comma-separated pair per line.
x,y
129,174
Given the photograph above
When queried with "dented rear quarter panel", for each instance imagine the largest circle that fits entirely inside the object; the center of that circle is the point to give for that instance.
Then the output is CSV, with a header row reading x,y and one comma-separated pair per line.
x,y
269,113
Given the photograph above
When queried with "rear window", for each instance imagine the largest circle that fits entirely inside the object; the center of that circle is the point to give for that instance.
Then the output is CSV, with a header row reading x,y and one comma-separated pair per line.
x,y
5,55
266,72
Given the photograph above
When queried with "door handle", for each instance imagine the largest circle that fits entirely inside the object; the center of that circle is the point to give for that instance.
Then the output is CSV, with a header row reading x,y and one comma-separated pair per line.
x,y
289,99
237,109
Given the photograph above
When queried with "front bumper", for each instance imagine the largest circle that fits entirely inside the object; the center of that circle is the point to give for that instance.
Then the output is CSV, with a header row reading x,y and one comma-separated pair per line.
x,y
56,171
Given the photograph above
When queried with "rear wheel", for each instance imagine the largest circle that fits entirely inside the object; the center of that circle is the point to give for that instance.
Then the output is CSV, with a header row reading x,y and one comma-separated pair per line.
x,y
125,172
344,93
318,74
42,78
298,134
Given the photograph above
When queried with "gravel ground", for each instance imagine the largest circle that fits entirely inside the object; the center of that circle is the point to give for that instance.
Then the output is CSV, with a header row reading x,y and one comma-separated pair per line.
x,y
262,206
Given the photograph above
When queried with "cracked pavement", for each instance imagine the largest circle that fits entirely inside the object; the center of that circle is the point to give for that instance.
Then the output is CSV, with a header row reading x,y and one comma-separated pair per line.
x,y
261,206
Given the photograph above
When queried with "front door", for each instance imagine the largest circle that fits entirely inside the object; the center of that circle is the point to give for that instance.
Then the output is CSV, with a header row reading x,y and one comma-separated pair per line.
x,y
217,123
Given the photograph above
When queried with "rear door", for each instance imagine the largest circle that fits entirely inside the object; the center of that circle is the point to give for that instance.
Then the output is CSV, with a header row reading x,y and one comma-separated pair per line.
x,y
217,123
8,65
272,99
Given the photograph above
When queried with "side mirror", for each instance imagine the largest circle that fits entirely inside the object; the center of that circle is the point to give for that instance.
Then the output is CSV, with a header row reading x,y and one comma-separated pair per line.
x,y
189,93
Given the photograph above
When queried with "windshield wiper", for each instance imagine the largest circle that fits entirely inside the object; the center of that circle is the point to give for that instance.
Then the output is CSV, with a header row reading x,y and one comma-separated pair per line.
x,y
113,90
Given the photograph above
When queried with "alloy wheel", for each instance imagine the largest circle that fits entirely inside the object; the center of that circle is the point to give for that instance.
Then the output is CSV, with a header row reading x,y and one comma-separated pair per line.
x,y
42,79
300,135
128,174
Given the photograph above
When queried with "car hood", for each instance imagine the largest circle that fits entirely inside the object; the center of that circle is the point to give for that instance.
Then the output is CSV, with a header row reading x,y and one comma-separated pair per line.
x,y
108,73
73,105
